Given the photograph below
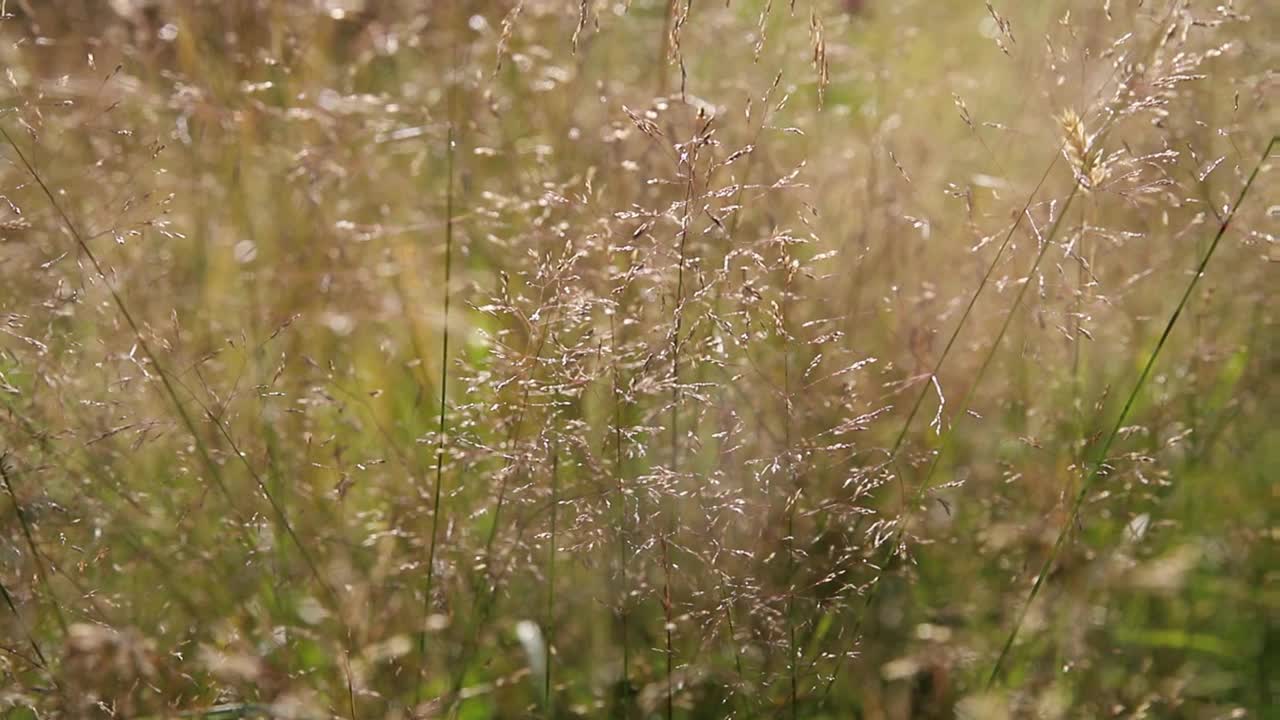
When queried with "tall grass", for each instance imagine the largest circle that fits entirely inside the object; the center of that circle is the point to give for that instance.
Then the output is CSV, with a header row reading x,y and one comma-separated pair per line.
x,y
653,359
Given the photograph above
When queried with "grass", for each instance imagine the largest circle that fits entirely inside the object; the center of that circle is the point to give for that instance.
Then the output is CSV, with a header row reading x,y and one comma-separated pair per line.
x,y
559,359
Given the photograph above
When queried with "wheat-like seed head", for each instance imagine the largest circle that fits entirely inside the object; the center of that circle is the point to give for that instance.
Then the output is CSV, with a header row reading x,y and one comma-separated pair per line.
x,y
1081,150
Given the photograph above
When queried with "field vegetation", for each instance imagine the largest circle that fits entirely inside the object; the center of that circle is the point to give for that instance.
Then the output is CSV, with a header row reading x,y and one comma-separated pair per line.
x,y
635,359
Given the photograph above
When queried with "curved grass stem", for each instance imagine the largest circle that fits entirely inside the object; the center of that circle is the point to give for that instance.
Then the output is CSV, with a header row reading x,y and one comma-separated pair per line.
x,y
1099,464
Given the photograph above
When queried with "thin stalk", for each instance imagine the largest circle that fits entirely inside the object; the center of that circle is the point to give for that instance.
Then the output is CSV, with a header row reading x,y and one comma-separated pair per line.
x,y
441,427
168,384
675,427
624,535
41,572
514,439
891,548
664,59
933,374
730,233
551,577
167,387
793,660
276,508
444,378
13,608
283,520
968,309
93,471
484,601
963,406
1100,460
666,615
1084,271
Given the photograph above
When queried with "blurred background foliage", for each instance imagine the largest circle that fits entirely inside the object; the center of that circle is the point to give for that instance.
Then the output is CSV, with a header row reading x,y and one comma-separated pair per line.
x,y
773,344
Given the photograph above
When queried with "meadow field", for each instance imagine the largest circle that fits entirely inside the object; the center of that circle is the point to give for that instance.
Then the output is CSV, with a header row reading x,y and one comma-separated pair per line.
x,y
639,359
